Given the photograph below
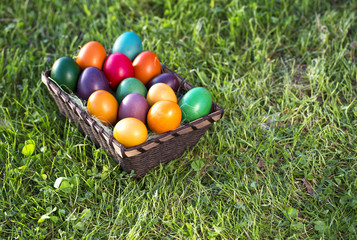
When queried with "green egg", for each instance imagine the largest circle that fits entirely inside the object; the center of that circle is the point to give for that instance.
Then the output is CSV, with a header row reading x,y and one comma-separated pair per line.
x,y
65,71
130,85
196,103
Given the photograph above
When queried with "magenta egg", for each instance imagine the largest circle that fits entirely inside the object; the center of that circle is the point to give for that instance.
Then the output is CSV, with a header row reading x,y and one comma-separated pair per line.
x,y
91,80
134,105
168,78
117,67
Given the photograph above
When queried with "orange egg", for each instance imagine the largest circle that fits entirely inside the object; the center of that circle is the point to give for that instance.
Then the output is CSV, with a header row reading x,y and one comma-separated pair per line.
x,y
92,54
146,66
160,92
130,132
164,116
103,105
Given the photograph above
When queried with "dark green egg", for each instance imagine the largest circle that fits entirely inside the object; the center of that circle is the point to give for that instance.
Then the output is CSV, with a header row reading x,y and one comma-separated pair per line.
x,y
130,85
65,71
195,103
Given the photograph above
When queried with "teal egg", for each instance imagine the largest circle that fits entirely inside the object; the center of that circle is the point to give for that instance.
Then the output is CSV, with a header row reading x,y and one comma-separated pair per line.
x,y
128,43
65,72
195,104
130,85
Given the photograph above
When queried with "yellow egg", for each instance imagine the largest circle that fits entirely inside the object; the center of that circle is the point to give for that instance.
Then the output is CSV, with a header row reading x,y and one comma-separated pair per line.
x,y
130,132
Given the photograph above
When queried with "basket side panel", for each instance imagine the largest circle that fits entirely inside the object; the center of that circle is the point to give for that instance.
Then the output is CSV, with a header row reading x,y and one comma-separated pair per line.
x,y
59,103
163,153
78,118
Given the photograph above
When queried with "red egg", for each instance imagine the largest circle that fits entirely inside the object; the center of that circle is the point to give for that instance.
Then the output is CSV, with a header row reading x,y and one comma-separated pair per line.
x,y
146,65
117,67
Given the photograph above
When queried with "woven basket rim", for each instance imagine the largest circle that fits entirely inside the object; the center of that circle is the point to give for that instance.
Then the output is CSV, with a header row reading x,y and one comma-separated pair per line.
x,y
217,112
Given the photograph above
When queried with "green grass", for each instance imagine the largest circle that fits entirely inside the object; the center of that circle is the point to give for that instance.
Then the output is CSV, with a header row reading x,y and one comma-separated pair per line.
x,y
281,164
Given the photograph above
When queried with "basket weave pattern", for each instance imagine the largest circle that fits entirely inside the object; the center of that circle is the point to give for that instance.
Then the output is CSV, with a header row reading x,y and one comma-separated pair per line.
x,y
146,156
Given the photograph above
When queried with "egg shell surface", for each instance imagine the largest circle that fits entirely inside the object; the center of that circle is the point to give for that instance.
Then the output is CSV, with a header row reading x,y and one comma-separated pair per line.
x,y
92,54
128,43
117,67
130,132
164,116
196,103
146,66
134,105
167,78
65,72
91,80
130,85
160,92
103,105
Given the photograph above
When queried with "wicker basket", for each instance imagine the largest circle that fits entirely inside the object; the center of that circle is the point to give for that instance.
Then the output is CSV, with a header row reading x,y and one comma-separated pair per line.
x,y
146,156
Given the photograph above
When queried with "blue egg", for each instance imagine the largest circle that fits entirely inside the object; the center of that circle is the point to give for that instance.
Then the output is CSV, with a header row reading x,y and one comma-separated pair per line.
x,y
128,43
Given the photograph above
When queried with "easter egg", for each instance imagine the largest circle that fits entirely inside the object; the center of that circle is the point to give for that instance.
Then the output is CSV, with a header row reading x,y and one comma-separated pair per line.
x,y
195,103
65,72
146,65
91,80
130,132
117,67
103,105
164,116
130,85
92,54
160,92
128,43
134,105
168,78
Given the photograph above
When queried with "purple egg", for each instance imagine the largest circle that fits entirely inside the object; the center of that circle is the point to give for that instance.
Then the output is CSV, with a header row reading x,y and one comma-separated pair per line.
x,y
167,78
134,105
91,80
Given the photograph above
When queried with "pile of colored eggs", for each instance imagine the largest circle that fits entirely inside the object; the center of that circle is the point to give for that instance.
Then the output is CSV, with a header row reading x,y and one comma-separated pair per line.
x,y
127,89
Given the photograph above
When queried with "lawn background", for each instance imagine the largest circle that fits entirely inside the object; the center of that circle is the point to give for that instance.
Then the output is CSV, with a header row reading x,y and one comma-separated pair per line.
x,y
280,164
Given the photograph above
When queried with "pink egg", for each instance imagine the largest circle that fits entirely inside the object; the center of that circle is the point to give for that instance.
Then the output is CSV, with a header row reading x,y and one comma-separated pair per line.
x,y
117,67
